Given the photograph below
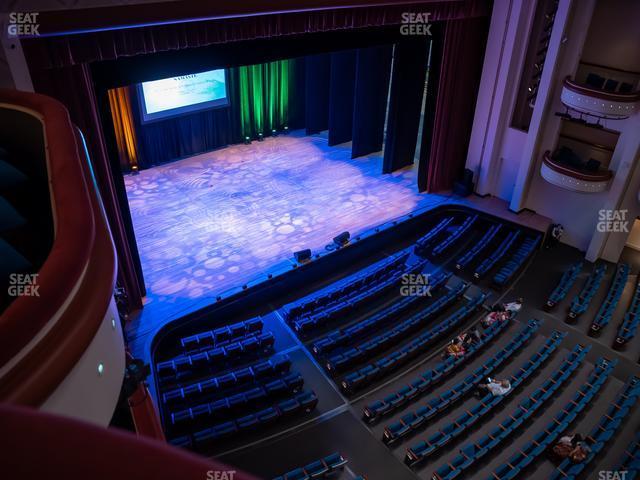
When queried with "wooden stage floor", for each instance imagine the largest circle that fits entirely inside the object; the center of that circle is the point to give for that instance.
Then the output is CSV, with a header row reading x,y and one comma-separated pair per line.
x,y
213,222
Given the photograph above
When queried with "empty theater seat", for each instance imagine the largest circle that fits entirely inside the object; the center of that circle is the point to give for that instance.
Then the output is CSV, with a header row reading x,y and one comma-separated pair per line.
x,y
497,254
218,336
581,302
471,255
564,285
318,469
516,260
628,327
608,306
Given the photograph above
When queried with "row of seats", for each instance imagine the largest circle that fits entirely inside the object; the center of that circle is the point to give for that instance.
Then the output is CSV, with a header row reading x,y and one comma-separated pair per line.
x,y
456,235
604,430
629,325
497,254
481,410
470,255
339,308
343,336
192,417
608,306
425,382
318,469
265,369
215,337
423,242
511,266
301,402
581,302
422,343
562,289
630,461
190,365
352,284
540,442
414,420
346,359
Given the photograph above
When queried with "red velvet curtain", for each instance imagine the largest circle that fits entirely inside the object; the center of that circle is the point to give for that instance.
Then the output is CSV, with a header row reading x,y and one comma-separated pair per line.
x,y
444,148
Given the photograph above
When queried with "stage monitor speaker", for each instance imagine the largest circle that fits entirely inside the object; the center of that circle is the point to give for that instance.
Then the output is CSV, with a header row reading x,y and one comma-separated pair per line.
x,y
302,256
342,239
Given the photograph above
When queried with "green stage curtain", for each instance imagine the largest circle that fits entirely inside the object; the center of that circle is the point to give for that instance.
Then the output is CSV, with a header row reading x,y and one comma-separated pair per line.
x,y
264,97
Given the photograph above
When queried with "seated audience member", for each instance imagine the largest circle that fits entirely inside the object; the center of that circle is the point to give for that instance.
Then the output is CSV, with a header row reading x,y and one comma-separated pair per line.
x,y
455,348
496,387
571,446
470,337
513,307
580,452
493,317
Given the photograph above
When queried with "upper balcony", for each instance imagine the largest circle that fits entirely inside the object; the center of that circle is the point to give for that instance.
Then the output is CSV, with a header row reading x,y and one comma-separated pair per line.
x,y
602,92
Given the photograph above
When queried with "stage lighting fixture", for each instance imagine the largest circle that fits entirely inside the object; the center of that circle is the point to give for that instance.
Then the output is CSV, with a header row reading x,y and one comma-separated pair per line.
x,y
247,140
274,133
286,129
260,137
303,256
134,170
342,239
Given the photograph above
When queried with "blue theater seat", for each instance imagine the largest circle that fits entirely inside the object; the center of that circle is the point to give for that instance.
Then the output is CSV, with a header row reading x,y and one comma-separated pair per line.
x,y
496,255
539,442
581,302
515,262
566,282
605,429
471,255
318,469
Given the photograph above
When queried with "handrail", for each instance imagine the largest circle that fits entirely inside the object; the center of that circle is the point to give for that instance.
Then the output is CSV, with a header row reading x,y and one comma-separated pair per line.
x,y
575,87
43,337
600,176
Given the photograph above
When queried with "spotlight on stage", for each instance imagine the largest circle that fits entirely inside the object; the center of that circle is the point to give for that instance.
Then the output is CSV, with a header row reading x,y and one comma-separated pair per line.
x,y
286,129
260,137
303,256
134,170
342,239
247,140
274,133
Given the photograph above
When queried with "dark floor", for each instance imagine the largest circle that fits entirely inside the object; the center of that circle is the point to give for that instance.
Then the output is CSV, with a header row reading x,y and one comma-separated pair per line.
x,y
337,426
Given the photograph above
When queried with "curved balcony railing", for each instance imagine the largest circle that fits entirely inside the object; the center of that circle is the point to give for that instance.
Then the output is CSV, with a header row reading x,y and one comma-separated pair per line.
x,y
569,178
599,103
44,337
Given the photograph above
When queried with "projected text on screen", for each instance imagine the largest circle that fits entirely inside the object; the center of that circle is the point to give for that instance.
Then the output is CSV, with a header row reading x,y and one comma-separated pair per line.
x,y
178,95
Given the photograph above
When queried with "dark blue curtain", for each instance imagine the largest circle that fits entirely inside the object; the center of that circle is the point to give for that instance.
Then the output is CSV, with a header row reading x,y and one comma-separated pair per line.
x,y
373,69
341,88
317,69
405,102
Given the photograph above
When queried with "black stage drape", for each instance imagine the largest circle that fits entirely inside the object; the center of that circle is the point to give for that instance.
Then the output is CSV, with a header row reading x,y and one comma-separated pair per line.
x,y
317,74
341,87
373,69
178,137
405,102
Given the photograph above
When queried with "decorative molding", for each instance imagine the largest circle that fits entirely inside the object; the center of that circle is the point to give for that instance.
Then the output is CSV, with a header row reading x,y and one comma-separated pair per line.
x,y
615,106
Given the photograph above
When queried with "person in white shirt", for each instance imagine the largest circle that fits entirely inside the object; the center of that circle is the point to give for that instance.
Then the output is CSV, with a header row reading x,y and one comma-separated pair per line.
x,y
496,387
513,307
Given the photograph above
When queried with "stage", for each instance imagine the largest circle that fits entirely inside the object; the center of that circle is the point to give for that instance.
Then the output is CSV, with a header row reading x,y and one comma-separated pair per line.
x,y
219,220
